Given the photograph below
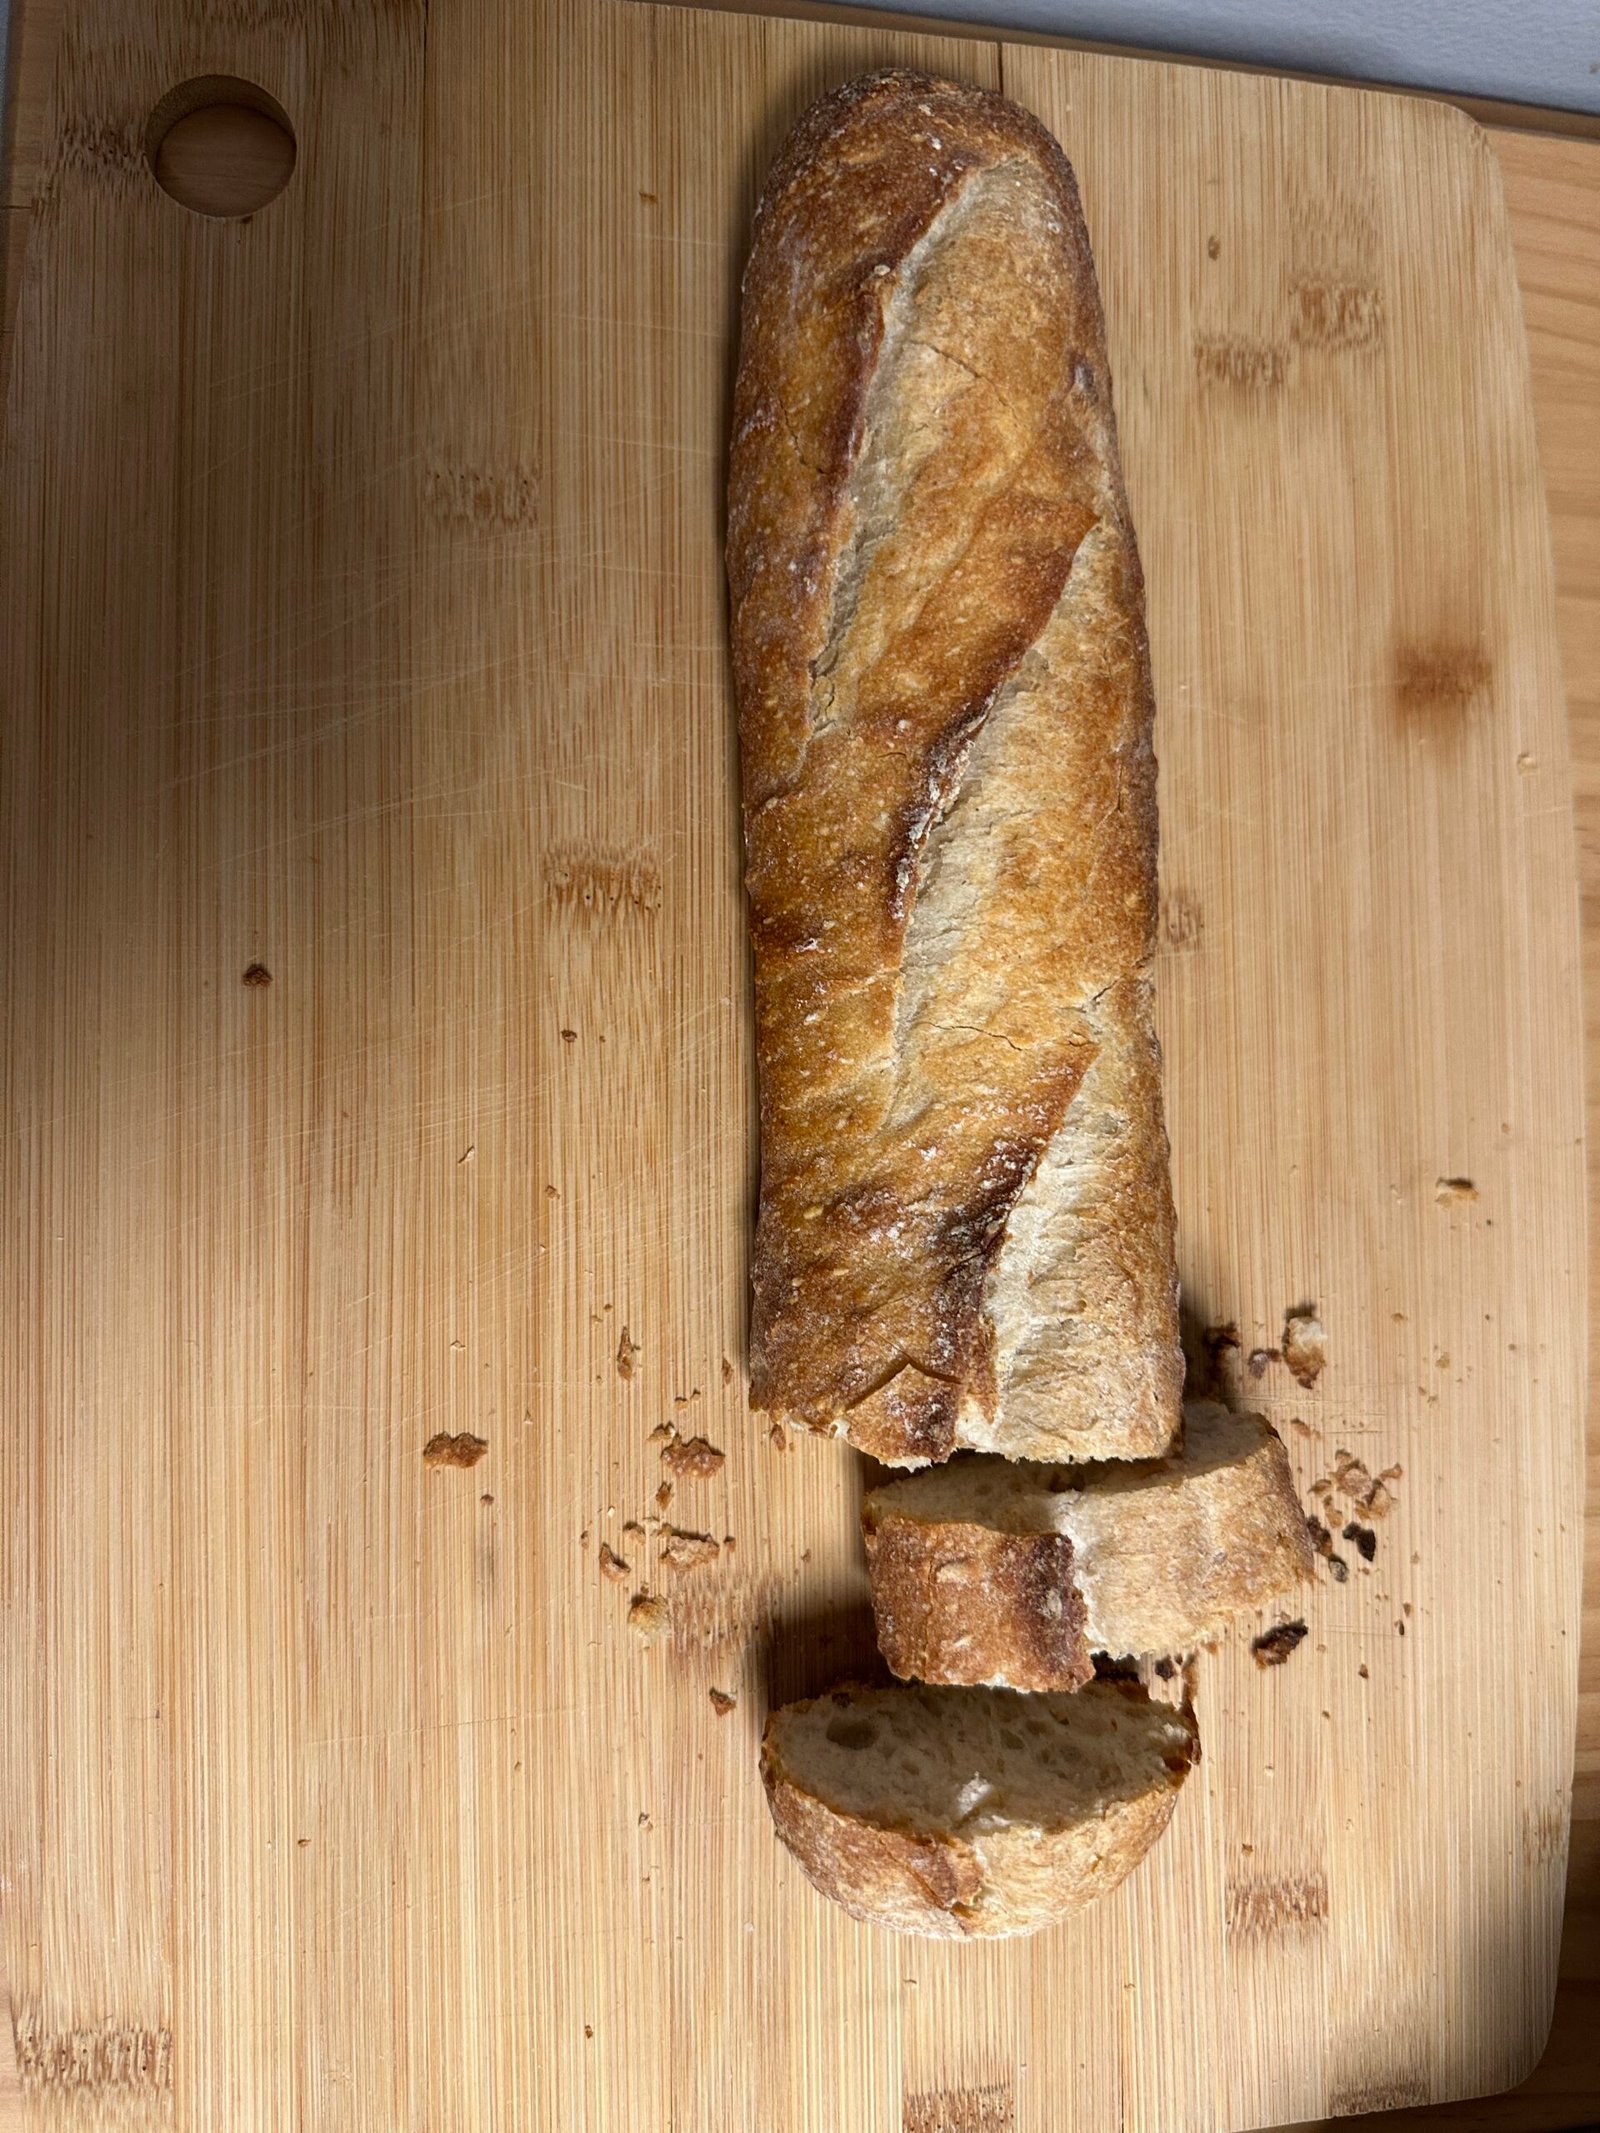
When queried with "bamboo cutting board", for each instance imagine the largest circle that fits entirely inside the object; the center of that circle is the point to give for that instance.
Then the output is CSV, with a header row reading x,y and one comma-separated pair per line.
x,y
363,632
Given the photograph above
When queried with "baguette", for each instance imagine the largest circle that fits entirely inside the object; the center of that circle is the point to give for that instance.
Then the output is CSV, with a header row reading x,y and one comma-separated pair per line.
x,y
965,1231
970,1813
1016,1575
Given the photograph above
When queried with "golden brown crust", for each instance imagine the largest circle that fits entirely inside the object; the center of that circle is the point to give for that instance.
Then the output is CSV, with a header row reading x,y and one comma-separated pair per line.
x,y
1149,1558
945,716
961,1603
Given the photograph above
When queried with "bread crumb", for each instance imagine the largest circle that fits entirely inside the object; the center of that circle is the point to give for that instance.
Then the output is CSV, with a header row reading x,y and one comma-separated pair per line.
x,y
612,1566
569,1036
1305,1345
663,1433
727,1371
649,1617
633,1529
256,974
1354,1481
663,1495
1362,1671
693,1457
588,2029
1257,1360
1365,1539
445,1450
687,1551
722,1703
1338,1569
627,1354
1450,1192
1303,1429
1276,1645
778,1437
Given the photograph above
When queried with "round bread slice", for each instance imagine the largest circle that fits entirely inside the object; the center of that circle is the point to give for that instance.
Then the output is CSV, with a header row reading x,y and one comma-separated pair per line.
x,y
964,1814
1013,1574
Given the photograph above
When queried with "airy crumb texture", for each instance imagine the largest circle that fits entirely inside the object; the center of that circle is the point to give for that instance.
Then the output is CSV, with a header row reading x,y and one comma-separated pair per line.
x,y
1014,1574
969,1813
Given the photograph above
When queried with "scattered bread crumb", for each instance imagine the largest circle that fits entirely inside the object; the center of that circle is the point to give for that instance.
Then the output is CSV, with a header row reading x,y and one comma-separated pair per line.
x,y
722,1703
1257,1360
633,1529
1305,1345
1449,1192
649,1617
612,1566
663,1495
1365,1539
627,1354
1304,1429
1362,1671
692,1457
256,974
687,1551
445,1450
727,1371
663,1433
1275,1645
1355,1481
778,1437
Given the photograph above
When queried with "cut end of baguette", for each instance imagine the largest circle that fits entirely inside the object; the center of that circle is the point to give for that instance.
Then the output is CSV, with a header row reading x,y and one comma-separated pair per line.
x,y
959,1814
1015,1573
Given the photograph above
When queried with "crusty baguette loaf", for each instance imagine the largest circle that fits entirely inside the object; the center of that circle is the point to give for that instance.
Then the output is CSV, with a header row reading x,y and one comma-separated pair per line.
x,y
965,1235
972,1813
1016,1574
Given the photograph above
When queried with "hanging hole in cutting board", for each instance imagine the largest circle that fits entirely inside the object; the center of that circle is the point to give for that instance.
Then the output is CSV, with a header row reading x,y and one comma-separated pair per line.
x,y
220,146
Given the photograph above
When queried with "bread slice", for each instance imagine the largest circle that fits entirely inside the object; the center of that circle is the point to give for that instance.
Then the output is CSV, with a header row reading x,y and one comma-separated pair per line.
x,y
1015,1574
965,1236
973,1813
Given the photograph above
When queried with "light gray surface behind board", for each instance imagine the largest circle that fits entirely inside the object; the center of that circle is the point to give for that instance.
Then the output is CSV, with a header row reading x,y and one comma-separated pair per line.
x,y
1547,52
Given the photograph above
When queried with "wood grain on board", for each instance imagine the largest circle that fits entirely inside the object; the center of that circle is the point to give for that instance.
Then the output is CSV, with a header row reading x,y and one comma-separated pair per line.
x,y
378,1047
